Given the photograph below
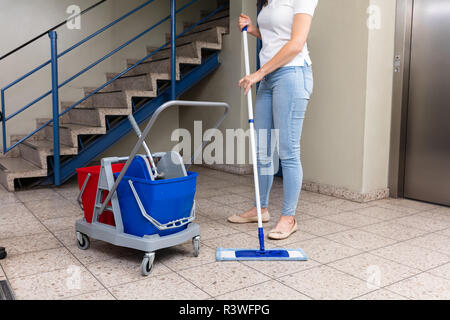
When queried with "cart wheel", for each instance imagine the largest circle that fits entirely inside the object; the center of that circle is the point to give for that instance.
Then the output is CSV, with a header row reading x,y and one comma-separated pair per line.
x,y
196,243
3,253
83,241
147,264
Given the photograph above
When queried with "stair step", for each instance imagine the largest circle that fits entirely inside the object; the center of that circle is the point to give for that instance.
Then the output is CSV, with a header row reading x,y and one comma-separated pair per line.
x,y
37,151
112,99
212,36
16,168
139,82
69,133
222,13
212,23
94,117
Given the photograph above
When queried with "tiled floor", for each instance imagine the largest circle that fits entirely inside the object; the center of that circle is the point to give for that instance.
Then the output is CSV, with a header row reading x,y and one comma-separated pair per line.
x,y
389,249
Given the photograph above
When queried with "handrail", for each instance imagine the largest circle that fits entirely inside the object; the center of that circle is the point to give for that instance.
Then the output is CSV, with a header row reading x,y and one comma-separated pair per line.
x,y
51,29
56,85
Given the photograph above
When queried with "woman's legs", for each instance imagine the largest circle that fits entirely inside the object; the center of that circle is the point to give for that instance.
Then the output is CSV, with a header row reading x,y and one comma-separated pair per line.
x,y
290,101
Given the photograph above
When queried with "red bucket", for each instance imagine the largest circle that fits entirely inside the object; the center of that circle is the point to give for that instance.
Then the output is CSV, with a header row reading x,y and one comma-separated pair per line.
x,y
90,192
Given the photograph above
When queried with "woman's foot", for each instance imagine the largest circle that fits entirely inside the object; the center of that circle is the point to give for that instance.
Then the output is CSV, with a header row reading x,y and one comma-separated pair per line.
x,y
250,216
284,229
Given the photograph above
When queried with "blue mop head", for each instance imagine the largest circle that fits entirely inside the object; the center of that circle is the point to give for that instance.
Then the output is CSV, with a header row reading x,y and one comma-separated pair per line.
x,y
258,255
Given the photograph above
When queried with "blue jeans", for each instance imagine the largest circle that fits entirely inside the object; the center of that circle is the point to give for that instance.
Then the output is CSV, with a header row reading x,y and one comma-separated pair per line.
x,y
281,104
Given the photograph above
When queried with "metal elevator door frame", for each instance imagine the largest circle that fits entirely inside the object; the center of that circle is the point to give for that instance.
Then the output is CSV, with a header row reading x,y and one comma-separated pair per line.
x,y
401,97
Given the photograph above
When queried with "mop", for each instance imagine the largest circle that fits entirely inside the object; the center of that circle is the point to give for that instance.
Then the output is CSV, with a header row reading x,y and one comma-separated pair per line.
x,y
262,253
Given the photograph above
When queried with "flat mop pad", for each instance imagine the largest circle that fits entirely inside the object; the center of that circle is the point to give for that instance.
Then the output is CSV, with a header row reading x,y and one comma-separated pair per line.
x,y
267,255
262,254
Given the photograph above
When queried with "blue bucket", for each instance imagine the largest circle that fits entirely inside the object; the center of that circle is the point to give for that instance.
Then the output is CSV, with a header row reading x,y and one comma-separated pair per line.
x,y
163,200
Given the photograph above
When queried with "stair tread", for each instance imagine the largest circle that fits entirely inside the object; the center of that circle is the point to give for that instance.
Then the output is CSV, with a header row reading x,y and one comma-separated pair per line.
x,y
47,145
18,165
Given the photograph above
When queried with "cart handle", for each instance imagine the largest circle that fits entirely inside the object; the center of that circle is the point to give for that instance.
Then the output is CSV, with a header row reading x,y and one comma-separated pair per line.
x,y
162,226
173,103
83,188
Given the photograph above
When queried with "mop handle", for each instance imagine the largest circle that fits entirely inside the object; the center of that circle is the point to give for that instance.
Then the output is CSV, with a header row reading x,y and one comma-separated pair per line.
x,y
139,134
253,142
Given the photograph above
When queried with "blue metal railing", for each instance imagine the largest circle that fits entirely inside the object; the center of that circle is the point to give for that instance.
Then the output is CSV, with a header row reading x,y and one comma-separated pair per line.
x,y
56,85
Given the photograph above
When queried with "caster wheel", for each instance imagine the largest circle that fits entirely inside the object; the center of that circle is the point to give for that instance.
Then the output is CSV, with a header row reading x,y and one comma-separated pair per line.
x,y
3,253
83,241
147,264
196,244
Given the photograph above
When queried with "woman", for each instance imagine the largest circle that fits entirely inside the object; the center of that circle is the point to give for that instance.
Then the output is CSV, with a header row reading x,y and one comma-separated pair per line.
x,y
286,84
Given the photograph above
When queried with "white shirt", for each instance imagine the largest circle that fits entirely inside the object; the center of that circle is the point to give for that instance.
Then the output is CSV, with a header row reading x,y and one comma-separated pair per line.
x,y
275,24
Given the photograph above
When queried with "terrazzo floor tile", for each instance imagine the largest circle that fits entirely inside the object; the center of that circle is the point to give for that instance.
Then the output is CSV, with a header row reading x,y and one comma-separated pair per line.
x,y
223,277
380,213
54,285
213,229
7,198
320,227
14,213
376,271
38,194
205,205
413,256
100,251
317,209
271,290
346,205
432,241
182,257
325,283
229,199
441,271
381,294
237,240
324,250
50,209
388,204
165,287
24,227
114,272
219,213
424,287
103,295
352,219
68,237
70,194
58,224
394,231
426,224
441,214
32,243
206,193
315,197
360,239
276,269
411,204
37,262
445,232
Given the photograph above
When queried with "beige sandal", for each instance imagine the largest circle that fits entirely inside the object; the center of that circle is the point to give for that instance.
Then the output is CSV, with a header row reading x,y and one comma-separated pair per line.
x,y
279,235
240,220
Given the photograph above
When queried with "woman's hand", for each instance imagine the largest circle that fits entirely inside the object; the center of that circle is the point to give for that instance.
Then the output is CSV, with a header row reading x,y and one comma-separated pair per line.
x,y
248,81
245,21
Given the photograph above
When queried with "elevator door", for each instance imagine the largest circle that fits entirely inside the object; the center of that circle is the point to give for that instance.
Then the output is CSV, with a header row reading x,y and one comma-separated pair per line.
x,y
427,162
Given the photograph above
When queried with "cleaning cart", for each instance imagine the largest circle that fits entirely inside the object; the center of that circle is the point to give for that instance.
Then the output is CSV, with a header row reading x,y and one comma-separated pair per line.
x,y
143,202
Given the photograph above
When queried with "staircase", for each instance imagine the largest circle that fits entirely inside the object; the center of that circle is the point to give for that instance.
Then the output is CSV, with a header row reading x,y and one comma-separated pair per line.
x,y
89,129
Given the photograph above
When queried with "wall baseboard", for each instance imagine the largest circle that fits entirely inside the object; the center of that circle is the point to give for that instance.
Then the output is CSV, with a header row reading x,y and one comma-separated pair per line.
x,y
344,193
329,190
